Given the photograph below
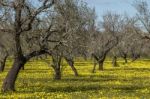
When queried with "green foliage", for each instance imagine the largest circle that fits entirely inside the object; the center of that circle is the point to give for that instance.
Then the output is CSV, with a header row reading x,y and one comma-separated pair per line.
x,y
130,80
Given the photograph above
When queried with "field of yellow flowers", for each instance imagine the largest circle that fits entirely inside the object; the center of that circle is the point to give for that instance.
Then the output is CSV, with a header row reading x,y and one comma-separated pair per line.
x,y
129,81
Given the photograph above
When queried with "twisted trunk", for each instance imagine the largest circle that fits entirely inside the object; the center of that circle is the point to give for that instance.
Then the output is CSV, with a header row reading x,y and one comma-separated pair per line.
x,y
125,60
101,68
56,66
71,64
19,28
57,75
9,82
19,62
124,56
101,63
114,61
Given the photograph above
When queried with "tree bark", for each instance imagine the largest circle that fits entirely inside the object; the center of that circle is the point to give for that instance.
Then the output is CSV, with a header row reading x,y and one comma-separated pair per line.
x,y
114,62
101,68
9,82
125,60
56,66
71,64
101,62
2,63
57,75
2,66
74,70
94,67
124,56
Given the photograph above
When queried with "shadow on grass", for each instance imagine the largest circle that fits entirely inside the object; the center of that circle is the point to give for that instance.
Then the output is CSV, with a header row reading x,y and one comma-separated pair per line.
x,y
129,88
76,85
92,87
129,69
81,78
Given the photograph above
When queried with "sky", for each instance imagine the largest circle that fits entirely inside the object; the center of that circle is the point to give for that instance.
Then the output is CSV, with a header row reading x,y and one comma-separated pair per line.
x,y
116,6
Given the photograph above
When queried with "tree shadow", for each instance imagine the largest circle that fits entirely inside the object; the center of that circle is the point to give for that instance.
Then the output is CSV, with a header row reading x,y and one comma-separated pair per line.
x,y
129,69
75,87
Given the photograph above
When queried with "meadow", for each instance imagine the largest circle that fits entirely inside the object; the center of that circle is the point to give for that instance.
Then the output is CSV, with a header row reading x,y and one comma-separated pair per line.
x,y
128,81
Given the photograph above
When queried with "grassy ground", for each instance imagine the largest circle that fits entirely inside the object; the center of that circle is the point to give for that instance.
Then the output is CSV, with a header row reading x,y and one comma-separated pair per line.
x,y
127,81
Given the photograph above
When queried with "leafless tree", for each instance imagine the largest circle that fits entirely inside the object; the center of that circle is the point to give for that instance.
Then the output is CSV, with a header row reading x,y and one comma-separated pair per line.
x,y
105,41
143,18
77,23
123,48
56,33
130,44
20,16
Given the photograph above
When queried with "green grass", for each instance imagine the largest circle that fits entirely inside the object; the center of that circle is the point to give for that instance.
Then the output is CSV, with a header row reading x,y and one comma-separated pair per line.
x,y
130,80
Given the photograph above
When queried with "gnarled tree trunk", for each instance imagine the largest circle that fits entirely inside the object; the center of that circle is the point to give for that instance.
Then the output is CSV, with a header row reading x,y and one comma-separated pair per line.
x,y
114,61
101,63
101,68
71,64
124,56
125,60
9,82
57,75
57,66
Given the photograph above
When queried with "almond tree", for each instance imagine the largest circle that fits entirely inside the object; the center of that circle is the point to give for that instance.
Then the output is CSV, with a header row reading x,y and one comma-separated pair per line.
x,y
123,48
75,17
143,18
103,42
21,15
